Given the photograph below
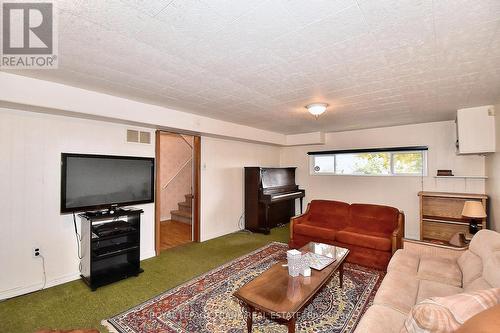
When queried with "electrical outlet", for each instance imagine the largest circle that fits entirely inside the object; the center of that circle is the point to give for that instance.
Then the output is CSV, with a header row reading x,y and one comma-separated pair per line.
x,y
37,251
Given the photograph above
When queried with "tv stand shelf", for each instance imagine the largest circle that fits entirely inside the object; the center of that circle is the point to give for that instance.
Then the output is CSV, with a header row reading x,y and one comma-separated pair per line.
x,y
105,214
115,255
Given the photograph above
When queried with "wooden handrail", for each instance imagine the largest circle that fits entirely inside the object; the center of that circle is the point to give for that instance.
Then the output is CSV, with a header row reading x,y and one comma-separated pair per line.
x,y
177,173
186,141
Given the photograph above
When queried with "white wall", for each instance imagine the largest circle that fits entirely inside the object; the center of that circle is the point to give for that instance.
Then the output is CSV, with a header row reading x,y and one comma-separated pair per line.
x,y
400,192
50,96
222,181
31,146
493,182
31,143
30,150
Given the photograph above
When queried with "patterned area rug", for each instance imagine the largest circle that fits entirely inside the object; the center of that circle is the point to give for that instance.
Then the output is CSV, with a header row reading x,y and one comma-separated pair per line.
x,y
206,304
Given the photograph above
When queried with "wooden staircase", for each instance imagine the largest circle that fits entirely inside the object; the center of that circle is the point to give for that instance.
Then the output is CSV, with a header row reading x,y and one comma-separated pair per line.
x,y
184,213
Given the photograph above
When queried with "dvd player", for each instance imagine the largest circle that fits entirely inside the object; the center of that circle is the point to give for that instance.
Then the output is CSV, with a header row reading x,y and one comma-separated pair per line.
x,y
113,228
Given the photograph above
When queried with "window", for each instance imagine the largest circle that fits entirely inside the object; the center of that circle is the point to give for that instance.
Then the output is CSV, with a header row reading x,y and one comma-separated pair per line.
x,y
392,162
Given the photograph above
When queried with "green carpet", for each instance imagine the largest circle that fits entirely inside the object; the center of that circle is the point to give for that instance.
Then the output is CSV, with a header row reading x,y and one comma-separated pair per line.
x,y
73,305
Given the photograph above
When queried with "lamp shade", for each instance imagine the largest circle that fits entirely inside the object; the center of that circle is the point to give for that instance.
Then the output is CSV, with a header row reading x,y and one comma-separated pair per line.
x,y
473,209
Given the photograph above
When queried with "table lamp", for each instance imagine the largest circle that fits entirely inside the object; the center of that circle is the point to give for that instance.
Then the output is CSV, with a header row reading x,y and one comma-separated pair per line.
x,y
475,211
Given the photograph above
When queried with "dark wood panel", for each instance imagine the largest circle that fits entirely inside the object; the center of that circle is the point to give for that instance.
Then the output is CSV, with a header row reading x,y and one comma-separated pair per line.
x,y
254,213
270,195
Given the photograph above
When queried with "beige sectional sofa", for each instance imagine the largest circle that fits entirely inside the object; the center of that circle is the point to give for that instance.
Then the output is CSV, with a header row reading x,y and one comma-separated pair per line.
x,y
421,270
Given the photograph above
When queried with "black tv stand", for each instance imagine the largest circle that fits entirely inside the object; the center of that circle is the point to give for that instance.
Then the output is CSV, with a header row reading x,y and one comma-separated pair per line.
x,y
110,246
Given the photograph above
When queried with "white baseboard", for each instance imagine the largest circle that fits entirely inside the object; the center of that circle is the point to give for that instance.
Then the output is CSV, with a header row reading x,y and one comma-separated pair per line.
x,y
217,234
18,291
149,254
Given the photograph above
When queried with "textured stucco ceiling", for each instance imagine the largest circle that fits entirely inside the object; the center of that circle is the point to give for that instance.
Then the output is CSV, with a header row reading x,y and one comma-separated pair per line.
x,y
377,63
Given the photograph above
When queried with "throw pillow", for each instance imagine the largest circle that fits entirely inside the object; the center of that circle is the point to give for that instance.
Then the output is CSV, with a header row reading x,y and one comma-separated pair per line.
x,y
447,314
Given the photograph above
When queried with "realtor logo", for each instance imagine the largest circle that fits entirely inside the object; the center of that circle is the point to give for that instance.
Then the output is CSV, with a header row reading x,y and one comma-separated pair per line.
x,y
28,35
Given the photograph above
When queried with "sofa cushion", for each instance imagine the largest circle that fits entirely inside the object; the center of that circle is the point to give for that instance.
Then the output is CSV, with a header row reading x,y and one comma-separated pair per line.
x,y
491,272
314,231
440,269
383,318
299,241
366,257
447,314
368,239
471,266
404,261
429,289
397,291
478,284
329,214
374,218
484,243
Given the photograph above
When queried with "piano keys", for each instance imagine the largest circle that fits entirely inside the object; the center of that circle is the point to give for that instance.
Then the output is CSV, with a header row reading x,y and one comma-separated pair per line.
x,y
270,195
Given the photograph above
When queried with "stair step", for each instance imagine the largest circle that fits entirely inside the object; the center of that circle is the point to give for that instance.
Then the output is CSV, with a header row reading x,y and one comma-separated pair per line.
x,y
185,203
185,206
188,197
181,213
181,216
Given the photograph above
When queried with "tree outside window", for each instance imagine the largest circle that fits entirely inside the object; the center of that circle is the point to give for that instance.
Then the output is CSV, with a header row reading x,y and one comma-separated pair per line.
x,y
375,163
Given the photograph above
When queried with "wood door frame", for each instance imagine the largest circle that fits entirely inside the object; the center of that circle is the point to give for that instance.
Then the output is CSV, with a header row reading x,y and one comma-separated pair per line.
x,y
196,189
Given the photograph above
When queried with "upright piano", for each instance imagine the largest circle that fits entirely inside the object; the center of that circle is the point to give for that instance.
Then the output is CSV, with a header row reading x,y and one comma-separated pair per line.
x,y
270,195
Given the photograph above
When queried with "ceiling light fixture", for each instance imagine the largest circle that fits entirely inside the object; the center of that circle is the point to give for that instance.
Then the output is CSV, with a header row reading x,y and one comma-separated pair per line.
x,y
316,109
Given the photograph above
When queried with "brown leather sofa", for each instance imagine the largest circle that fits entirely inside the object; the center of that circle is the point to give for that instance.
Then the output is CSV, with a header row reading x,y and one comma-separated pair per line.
x,y
372,233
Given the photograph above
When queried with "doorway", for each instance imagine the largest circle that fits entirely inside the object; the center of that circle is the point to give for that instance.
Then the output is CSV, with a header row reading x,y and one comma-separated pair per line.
x,y
177,190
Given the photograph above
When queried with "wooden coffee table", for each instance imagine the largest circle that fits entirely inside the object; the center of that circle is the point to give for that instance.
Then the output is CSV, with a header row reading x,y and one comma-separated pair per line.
x,y
282,297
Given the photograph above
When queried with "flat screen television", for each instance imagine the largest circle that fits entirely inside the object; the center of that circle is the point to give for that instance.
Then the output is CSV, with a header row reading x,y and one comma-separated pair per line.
x,y
92,182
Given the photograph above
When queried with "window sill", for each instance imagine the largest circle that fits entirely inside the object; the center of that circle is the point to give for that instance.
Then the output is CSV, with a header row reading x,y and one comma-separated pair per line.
x,y
341,175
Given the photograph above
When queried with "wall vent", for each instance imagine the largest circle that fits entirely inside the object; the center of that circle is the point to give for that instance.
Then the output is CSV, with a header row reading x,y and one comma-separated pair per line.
x,y
145,137
132,136
138,136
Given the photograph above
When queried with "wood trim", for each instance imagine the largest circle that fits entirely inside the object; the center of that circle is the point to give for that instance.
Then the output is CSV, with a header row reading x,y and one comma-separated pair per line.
x,y
421,213
297,218
369,150
449,221
196,187
196,190
157,193
453,195
429,244
399,233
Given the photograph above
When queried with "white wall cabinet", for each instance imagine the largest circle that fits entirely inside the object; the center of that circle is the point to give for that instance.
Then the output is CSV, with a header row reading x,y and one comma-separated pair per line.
x,y
476,130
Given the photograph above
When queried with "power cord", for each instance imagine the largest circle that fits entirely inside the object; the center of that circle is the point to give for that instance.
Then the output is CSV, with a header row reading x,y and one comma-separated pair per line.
x,y
78,241
44,272
241,224
78,237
